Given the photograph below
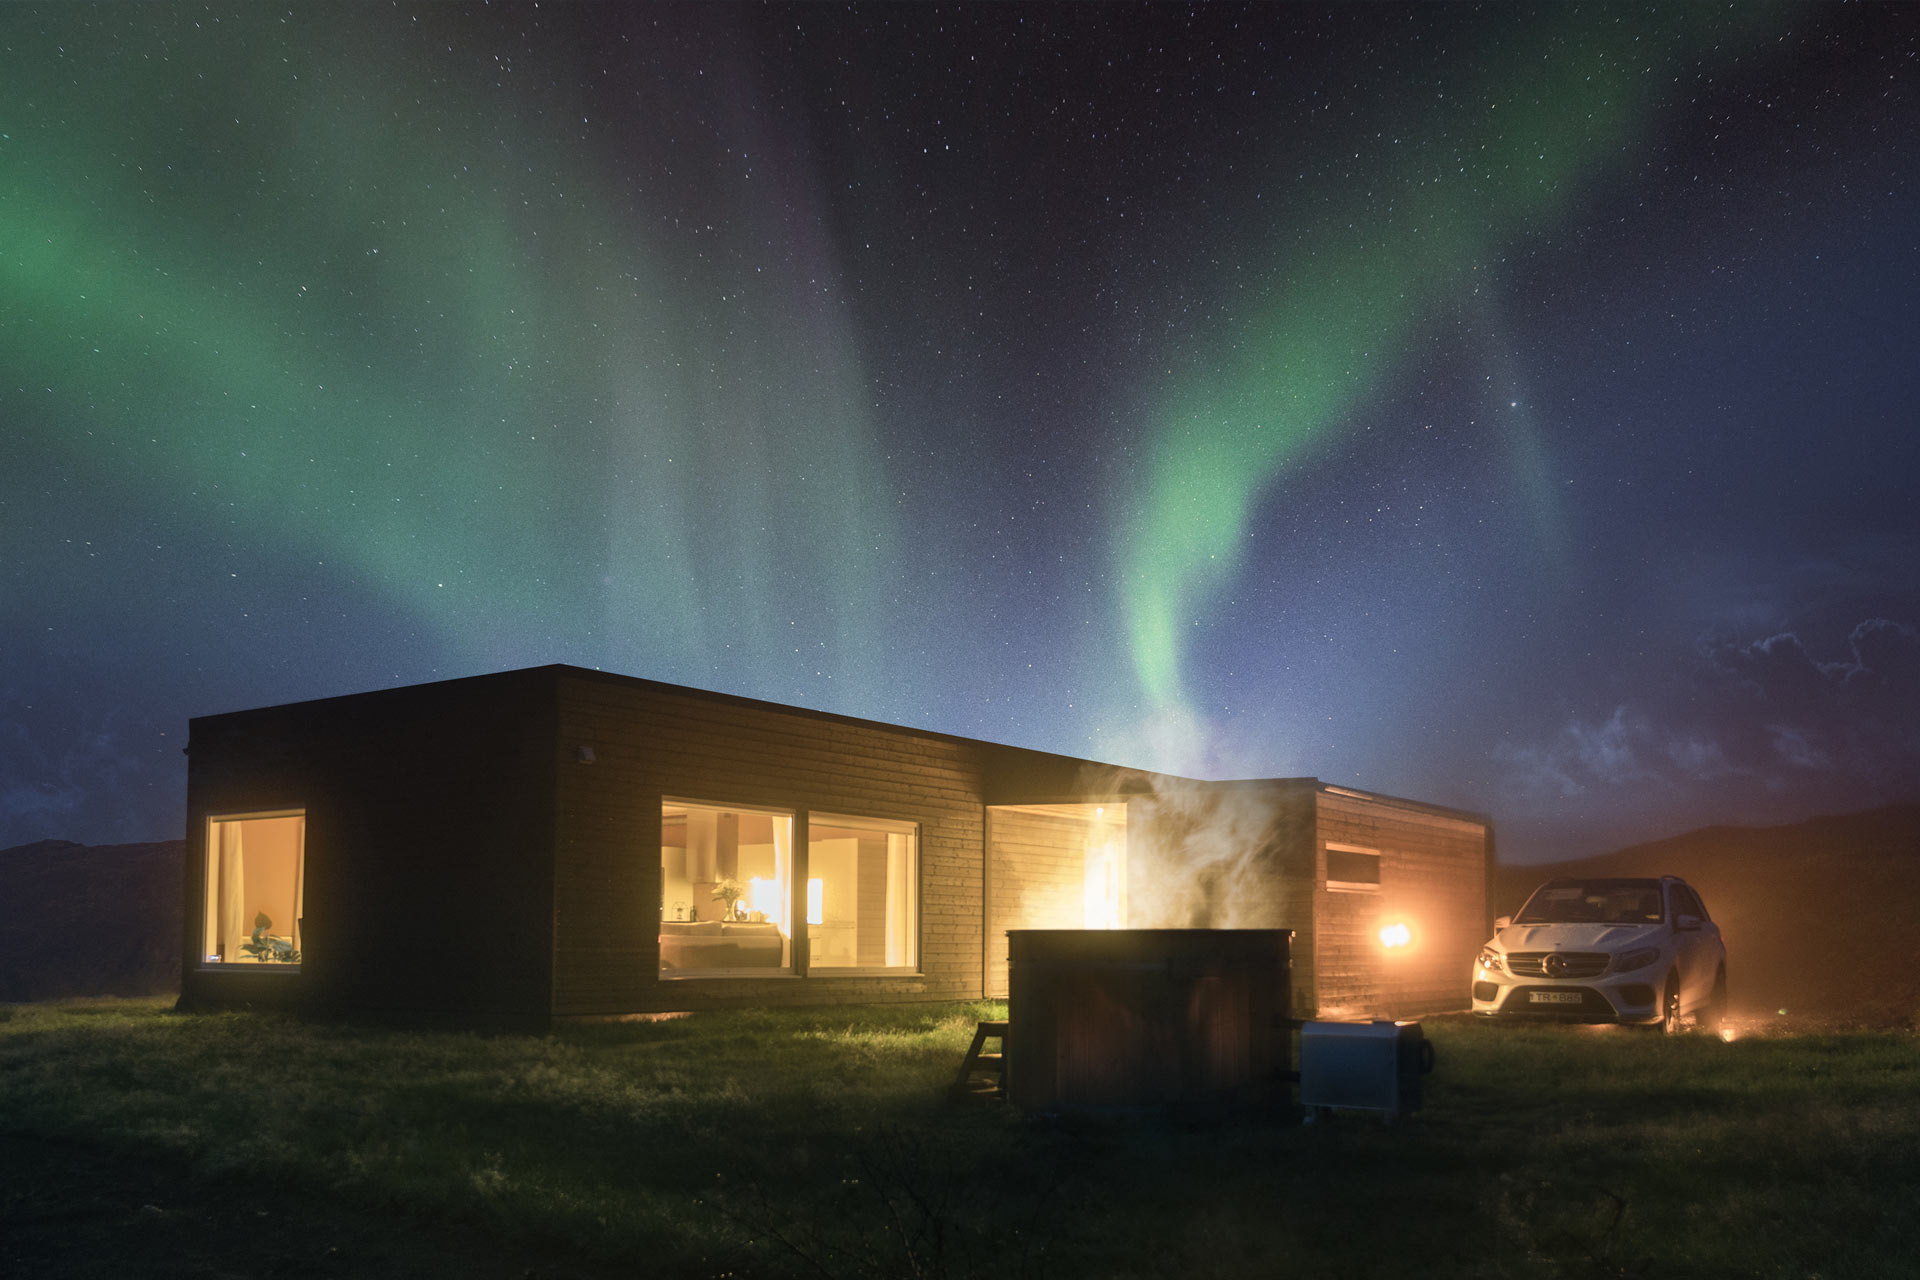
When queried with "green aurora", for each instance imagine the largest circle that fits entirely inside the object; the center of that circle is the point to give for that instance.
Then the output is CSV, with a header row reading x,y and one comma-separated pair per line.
x,y
373,305
1351,284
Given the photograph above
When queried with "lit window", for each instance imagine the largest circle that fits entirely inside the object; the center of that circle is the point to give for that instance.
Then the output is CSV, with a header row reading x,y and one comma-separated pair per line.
x,y
256,868
725,904
1353,870
862,881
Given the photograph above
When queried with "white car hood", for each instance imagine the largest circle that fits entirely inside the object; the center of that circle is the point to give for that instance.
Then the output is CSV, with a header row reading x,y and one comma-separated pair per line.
x,y
1575,937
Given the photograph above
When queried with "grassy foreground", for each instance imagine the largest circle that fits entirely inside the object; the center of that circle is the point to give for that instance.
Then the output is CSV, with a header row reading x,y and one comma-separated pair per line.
x,y
818,1143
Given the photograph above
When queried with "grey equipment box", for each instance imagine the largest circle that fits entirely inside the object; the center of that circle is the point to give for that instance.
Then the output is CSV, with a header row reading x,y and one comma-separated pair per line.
x,y
1372,1066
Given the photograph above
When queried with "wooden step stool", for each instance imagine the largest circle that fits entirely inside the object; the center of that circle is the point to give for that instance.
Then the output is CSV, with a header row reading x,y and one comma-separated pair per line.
x,y
983,1075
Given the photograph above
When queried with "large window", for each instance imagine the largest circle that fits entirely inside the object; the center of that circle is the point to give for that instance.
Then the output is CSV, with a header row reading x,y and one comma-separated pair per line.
x,y
735,891
256,869
861,879
725,890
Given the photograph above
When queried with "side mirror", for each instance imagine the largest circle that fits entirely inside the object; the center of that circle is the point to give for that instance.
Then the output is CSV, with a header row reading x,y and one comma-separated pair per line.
x,y
1501,922
1686,924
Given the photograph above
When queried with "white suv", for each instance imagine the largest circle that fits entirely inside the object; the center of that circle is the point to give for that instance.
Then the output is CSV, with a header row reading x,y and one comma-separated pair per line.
x,y
1606,950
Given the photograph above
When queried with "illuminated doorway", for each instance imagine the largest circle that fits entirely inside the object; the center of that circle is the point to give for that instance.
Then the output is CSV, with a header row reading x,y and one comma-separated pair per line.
x,y
1052,866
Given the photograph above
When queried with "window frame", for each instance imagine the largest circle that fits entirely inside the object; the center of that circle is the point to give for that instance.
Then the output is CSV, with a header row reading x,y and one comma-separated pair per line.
x,y
1351,886
796,905
209,891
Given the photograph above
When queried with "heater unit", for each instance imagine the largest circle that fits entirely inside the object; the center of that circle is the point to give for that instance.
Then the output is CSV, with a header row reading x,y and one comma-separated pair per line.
x,y
1370,1066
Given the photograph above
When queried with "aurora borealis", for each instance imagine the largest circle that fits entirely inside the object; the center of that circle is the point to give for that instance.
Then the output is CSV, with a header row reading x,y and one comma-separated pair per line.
x,y
1510,407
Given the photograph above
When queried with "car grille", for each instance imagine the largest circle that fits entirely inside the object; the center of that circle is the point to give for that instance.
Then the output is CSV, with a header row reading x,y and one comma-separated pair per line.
x,y
1578,964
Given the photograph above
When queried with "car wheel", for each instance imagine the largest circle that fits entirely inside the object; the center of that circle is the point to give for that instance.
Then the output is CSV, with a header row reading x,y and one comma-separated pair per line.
x,y
1670,1008
1714,1016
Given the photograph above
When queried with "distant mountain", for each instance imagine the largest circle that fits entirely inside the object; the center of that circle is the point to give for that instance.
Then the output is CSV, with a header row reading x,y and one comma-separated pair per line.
x,y
79,920
1819,917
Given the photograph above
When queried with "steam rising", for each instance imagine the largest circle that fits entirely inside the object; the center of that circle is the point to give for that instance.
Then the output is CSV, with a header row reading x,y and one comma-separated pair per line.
x,y
1205,855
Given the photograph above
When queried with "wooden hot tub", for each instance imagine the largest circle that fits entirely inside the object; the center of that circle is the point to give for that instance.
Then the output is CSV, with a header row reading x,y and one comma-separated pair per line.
x,y
1147,1018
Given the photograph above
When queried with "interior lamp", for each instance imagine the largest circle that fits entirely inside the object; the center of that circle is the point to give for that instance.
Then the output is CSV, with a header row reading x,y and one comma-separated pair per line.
x,y
763,895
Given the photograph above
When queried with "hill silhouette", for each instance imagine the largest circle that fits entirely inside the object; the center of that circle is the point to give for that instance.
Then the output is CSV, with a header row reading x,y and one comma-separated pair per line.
x,y
89,920
1818,916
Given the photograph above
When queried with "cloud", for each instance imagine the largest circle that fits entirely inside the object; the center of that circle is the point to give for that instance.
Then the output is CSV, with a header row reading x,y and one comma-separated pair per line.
x,y
1620,750
1770,715
1699,758
1856,713
1792,746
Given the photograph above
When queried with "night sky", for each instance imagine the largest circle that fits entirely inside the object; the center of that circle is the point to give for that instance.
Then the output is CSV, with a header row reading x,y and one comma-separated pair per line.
x,y
1508,407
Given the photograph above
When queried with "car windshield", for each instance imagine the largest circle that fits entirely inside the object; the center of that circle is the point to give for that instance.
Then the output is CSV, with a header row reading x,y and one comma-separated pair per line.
x,y
1593,902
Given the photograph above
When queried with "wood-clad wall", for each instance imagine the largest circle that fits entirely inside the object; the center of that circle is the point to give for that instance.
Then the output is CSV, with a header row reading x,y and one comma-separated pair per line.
x,y
490,849
653,741
1432,874
429,819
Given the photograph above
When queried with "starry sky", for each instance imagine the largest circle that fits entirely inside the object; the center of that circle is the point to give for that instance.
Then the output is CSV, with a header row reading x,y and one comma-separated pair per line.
x,y
1512,407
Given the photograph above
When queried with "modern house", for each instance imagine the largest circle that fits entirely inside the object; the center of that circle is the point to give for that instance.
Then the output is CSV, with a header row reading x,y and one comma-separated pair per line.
x,y
559,843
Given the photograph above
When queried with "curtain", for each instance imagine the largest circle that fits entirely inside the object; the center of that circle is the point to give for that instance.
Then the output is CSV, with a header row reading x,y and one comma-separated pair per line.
x,y
782,850
294,929
899,898
236,925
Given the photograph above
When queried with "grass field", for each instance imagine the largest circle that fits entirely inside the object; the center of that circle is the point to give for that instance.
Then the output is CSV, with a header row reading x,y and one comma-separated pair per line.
x,y
818,1142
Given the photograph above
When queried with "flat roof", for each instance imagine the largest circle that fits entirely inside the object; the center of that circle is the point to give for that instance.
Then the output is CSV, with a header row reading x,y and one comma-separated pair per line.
x,y
1123,773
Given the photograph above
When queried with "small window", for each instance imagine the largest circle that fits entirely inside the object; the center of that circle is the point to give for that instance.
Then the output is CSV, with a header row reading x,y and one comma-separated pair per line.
x,y
1352,870
256,871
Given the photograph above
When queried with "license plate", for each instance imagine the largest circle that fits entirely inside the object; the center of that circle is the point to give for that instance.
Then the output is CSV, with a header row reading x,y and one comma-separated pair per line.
x,y
1554,997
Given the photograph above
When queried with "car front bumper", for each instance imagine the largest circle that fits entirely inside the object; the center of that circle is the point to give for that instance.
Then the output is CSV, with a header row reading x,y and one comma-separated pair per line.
x,y
1629,997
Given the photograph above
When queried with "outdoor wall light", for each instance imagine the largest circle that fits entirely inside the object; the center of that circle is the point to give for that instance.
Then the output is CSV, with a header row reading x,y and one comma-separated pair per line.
x,y
1396,935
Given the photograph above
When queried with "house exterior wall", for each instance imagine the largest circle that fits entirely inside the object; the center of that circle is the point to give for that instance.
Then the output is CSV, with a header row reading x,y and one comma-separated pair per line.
x,y
1432,870
652,742
490,849
429,815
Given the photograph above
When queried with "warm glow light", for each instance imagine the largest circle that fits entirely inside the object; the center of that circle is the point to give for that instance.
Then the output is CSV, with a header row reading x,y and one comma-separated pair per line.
x,y
764,896
1101,901
1397,934
816,901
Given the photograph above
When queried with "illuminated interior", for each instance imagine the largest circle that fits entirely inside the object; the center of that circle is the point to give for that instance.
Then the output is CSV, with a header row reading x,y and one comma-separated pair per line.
x,y
256,871
725,899
861,911
1103,895
1053,866
1059,866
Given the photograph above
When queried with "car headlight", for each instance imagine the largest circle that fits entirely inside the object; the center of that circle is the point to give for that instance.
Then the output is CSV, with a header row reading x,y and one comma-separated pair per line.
x,y
1628,961
1492,960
